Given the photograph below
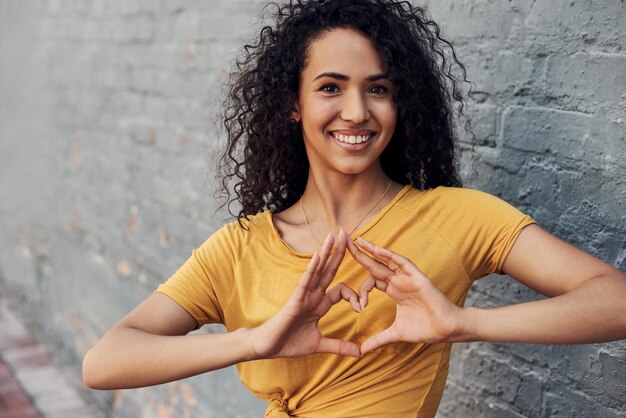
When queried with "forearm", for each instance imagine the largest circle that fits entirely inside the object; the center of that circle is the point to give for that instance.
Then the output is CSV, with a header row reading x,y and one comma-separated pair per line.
x,y
593,312
129,357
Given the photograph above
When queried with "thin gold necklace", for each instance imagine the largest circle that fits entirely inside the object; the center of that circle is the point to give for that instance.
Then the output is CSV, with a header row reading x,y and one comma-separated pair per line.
x,y
306,221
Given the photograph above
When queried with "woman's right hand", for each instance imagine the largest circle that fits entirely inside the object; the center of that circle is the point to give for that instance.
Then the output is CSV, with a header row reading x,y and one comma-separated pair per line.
x,y
293,331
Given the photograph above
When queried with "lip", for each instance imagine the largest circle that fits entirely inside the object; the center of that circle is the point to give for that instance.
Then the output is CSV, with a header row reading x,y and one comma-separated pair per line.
x,y
353,132
353,147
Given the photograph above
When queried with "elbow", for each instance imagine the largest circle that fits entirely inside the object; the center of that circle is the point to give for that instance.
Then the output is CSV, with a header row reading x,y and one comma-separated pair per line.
x,y
93,374
90,373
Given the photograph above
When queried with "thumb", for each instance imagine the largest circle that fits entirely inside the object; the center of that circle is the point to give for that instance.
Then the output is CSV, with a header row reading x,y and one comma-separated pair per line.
x,y
335,346
385,337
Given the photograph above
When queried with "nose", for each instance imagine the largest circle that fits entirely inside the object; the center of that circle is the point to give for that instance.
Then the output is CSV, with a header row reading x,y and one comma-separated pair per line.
x,y
355,108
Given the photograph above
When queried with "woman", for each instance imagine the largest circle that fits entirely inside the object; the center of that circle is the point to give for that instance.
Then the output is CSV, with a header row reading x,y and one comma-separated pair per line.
x,y
340,136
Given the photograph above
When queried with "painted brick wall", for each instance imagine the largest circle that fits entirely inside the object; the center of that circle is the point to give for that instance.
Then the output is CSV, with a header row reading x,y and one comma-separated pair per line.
x,y
550,113
105,186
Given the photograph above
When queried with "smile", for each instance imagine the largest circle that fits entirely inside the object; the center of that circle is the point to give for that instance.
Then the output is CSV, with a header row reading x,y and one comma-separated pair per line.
x,y
351,139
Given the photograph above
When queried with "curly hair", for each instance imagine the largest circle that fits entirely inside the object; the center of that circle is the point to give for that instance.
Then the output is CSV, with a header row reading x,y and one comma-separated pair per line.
x,y
265,152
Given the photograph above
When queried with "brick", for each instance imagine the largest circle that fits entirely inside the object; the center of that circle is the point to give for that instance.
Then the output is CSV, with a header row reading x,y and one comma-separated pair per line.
x,y
101,9
586,76
492,375
58,403
485,119
567,403
568,361
130,8
529,397
5,372
12,331
509,73
575,22
41,380
491,21
26,412
27,357
500,411
142,28
14,398
17,342
83,412
544,130
614,376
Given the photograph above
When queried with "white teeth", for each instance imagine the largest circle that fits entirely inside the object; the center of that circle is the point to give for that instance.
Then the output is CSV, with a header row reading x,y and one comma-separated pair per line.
x,y
352,139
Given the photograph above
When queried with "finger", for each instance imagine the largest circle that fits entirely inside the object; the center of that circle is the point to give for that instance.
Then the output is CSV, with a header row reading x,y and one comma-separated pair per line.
x,y
343,291
330,271
387,256
385,337
366,287
305,280
324,254
364,290
376,268
334,346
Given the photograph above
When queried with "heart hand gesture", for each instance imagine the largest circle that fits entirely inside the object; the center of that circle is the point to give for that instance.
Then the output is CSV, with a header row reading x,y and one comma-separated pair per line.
x,y
293,331
424,313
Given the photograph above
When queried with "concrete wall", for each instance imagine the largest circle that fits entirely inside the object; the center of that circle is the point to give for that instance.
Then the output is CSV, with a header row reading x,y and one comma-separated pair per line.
x,y
105,186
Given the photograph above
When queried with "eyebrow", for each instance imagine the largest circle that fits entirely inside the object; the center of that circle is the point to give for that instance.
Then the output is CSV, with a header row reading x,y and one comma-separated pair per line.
x,y
343,77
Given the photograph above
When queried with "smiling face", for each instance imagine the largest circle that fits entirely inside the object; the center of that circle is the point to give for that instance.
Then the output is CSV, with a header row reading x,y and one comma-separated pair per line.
x,y
345,103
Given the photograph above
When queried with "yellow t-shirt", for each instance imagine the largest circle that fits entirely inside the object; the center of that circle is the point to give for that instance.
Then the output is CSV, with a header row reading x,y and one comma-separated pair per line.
x,y
241,278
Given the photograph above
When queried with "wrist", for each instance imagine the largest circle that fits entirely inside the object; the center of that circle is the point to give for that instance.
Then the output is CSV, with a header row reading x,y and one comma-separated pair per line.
x,y
466,332
247,338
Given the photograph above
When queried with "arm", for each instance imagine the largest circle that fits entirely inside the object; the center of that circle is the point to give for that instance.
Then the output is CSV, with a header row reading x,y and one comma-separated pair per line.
x,y
587,298
149,346
586,304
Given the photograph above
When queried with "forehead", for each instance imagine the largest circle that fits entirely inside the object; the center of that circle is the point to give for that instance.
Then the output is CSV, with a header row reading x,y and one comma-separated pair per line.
x,y
343,50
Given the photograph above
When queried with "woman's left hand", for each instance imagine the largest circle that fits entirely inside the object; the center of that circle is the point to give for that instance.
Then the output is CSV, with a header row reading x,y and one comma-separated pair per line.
x,y
423,314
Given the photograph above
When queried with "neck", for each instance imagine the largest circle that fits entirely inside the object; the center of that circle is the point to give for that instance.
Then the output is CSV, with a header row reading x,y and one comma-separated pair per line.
x,y
333,201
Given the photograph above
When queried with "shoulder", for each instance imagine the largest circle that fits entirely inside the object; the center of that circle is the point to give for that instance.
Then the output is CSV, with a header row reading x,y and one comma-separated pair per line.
x,y
480,227
462,212
235,236
447,201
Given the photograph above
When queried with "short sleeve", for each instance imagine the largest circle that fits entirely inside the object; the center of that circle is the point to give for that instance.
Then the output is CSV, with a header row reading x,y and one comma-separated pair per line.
x,y
203,284
481,227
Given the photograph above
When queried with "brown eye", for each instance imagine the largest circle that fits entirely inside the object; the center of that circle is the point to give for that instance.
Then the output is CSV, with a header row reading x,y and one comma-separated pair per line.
x,y
330,89
378,89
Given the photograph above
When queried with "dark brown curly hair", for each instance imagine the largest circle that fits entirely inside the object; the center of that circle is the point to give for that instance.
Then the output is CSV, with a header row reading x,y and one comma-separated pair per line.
x,y
265,154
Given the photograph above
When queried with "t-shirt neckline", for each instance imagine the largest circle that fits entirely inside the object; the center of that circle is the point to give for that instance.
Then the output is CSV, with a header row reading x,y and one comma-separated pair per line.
x,y
360,231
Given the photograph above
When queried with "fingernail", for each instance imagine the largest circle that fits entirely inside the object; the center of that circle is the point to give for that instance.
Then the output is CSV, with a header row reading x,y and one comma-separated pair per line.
x,y
362,240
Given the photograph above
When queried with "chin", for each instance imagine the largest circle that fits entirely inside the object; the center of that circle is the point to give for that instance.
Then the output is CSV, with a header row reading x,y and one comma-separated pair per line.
x,y
353,169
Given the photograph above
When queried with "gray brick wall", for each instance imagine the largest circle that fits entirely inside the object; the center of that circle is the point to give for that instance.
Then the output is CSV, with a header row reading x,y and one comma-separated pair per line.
x,y
105,186
551,115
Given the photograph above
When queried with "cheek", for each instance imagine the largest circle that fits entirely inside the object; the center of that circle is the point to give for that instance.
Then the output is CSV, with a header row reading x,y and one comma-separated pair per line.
x,y
319,113
386,110
388,116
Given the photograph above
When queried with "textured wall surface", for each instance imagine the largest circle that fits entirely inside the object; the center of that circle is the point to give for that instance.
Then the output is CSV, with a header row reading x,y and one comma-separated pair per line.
x,y
105,185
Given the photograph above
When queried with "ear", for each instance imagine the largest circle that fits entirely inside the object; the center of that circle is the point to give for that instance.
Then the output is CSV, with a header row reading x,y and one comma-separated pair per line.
x,y
295,114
